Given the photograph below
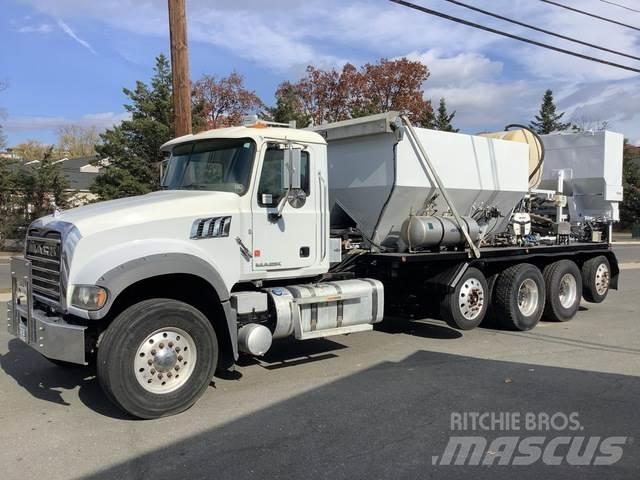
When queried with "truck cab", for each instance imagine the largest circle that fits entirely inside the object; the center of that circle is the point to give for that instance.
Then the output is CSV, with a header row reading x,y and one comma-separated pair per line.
x,y
238,208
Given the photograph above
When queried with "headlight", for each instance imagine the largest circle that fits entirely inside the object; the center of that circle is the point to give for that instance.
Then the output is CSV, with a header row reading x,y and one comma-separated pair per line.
x,y
89,297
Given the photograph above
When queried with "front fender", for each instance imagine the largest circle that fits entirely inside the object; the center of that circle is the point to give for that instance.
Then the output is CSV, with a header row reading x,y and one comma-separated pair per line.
x,y
116,279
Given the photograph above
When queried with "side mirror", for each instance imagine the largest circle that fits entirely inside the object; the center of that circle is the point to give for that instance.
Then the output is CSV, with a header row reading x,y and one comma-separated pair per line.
x,y
291,168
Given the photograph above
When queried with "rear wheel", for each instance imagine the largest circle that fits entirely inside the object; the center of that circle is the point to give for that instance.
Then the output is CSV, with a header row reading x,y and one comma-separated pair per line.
x,y
465,307
564,290
157,358
519,297
596,275
490,317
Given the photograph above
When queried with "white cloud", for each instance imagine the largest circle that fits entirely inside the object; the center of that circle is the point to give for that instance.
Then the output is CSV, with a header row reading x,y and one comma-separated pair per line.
x,y
460,69
101,121
67,29
488,79
41,28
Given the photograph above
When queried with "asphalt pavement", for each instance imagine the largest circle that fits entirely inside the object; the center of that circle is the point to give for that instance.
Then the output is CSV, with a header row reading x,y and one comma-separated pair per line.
x,y
371,405
5,274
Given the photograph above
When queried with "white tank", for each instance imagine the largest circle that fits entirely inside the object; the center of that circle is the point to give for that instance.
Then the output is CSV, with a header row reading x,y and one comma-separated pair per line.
x,y
377,180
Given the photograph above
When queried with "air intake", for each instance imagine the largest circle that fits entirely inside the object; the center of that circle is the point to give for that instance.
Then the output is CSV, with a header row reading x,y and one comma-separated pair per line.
x,y
212,227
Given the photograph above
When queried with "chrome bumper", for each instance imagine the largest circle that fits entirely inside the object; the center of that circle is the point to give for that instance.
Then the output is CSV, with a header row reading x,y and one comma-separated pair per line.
x,y
50,335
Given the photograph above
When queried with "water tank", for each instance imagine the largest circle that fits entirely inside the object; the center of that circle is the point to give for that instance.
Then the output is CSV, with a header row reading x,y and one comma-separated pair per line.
x,y
536,151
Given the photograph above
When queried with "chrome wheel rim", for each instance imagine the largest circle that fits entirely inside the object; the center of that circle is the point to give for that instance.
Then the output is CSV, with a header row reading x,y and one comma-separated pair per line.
x,y
165,360
471,298
568,290
528,297
602,279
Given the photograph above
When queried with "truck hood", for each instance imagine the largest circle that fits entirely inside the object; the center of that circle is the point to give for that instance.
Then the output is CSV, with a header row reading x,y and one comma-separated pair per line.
x,y
152,207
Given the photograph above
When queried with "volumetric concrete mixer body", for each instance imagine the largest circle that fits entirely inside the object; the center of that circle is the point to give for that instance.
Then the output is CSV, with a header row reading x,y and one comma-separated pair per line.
x,y
376,178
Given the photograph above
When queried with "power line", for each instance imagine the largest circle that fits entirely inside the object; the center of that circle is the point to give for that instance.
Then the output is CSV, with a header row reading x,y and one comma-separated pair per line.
x,y
590,14
621,6
537,29
510,35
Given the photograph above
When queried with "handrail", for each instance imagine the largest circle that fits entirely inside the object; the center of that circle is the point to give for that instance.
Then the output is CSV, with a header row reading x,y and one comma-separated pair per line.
x,y
323,222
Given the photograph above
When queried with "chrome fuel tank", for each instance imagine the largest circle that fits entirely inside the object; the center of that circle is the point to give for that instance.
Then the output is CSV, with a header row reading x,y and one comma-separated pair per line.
x,y
332,307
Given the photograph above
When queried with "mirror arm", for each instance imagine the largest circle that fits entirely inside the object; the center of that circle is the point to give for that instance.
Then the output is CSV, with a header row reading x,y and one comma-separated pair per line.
x,y
275,216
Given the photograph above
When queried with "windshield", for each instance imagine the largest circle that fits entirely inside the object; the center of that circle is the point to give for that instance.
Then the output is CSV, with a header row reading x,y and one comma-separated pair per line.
x,y
222,165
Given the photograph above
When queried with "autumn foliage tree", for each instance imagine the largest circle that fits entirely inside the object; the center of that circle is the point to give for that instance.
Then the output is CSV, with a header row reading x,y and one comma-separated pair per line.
x,y
223,102
330,95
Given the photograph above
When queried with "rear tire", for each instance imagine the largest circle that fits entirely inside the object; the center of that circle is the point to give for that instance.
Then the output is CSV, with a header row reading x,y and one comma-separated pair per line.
x,y
596,274
464,308
564,290
519,297
490,317
157,358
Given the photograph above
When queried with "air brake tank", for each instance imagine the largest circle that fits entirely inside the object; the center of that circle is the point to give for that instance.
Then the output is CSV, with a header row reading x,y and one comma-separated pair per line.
x,y
435,231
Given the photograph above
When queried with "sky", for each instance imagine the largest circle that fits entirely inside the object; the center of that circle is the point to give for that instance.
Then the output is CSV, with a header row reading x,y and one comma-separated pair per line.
x,y
66,61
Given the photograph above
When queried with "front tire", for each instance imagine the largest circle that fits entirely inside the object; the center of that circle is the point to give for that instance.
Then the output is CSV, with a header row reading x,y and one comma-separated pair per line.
x,y
464,308
519,297
157,358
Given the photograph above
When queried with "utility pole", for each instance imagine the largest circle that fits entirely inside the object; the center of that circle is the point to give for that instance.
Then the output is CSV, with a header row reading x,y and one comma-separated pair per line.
x,y
180,67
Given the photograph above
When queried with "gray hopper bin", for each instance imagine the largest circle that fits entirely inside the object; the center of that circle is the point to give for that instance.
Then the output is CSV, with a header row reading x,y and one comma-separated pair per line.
x,y
377,180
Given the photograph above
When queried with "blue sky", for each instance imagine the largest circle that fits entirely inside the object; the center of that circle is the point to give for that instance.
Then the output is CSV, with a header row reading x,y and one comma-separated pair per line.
x,y
66,61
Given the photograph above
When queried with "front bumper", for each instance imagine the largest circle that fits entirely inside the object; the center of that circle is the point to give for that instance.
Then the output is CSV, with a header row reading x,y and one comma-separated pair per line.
x,y
50,335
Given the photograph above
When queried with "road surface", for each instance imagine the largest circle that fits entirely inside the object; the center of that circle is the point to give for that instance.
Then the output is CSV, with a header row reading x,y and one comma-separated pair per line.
x,y
370,405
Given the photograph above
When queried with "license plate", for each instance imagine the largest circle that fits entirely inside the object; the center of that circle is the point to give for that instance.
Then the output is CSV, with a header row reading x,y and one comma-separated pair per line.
x,y
22,331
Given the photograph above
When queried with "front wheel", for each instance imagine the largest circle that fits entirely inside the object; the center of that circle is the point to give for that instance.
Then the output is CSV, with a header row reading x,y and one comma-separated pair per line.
x,y
465,307
157,358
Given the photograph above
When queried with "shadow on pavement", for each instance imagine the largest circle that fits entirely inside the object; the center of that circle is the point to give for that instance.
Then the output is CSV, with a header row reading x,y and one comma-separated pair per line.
x,y
389,421
418,328
289,352
46,381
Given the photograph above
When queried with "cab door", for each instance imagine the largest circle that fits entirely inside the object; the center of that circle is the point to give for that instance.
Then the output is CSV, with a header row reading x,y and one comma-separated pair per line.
x,y
288,241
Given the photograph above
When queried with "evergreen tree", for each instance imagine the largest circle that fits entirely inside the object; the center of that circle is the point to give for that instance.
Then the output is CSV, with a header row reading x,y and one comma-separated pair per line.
x,y
133,146
31,187
548,120
443,118
288,107
428,119
630,205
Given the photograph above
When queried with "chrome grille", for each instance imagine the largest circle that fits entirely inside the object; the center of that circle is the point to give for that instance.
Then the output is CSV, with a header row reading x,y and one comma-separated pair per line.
x,y
44,250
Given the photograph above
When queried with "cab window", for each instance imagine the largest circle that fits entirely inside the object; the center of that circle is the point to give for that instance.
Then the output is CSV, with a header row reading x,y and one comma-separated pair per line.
x,y
270,190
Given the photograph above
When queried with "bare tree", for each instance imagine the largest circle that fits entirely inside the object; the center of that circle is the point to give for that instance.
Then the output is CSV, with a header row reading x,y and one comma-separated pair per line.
x,y
77,141
584,124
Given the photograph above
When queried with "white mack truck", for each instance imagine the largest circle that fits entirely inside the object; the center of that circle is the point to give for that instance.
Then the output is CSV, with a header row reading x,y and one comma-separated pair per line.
x,y
262,232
